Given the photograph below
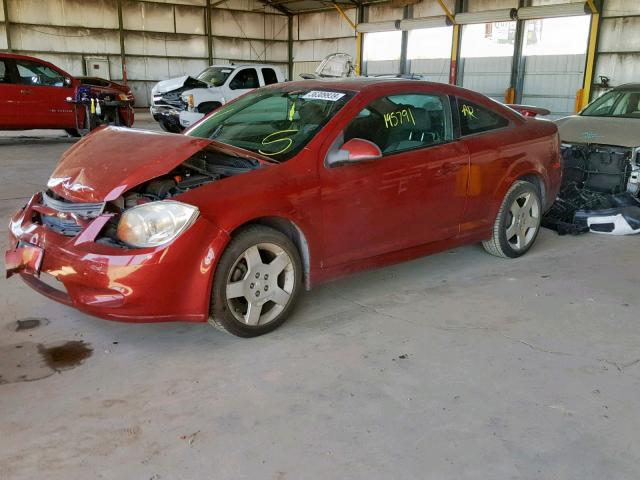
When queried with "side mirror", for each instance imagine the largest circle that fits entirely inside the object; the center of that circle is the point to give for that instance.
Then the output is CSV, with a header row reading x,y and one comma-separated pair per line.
x,y
67,82
355,150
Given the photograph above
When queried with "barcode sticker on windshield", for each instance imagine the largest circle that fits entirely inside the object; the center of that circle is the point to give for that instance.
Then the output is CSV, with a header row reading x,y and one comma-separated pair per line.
x,y
320,95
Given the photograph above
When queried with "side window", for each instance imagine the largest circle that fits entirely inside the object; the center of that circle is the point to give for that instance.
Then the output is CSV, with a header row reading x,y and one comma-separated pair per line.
x,y
403,122
244,79
33,73
477,119
269,76
5,74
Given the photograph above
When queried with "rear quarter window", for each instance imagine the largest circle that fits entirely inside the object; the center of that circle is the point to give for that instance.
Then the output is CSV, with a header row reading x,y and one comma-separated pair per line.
x,y
477,119
269,76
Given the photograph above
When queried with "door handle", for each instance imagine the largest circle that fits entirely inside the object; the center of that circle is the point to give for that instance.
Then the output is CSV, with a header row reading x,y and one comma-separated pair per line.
x,y
26,92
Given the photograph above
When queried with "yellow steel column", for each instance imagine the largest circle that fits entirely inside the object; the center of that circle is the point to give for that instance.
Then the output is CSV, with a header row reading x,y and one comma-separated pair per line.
x,y
455,44
358,36
455,54
358,52
584,94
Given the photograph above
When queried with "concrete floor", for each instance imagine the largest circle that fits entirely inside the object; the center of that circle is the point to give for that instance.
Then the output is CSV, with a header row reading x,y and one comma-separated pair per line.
x,y
455,366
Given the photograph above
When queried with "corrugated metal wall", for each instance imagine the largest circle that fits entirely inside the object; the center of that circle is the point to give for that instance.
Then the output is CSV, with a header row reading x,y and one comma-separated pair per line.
x,y
619,43
162,38
165,38
319,34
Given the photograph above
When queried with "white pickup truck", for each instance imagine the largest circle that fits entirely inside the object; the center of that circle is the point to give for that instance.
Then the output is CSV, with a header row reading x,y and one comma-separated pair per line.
x,y
232,81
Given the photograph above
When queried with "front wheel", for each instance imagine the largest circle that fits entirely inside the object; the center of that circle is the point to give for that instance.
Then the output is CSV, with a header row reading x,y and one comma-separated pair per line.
x,y
169,127
73,132
256,283
517,223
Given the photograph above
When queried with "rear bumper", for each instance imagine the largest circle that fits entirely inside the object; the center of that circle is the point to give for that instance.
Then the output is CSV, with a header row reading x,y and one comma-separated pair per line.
x,y
169,283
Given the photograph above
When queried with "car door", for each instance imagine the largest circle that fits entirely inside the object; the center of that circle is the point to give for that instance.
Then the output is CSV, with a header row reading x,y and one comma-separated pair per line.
x,y
43,95
487,136
414,194
10,109
242,81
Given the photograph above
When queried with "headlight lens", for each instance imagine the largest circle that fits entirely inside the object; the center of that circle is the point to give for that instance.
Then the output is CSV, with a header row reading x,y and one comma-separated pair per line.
x,y
155,223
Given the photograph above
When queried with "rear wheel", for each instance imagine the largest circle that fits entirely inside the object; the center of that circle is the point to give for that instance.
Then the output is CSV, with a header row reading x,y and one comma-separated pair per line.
x,y
517,223
256,283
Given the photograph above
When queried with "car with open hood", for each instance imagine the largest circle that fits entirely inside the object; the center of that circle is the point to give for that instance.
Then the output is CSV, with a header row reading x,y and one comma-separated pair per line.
x,y
37,94
601,147
180,102
287,187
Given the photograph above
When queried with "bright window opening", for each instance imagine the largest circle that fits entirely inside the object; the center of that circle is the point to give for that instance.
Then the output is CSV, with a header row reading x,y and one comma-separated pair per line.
x,y
556,36
380,46
429,43
488,40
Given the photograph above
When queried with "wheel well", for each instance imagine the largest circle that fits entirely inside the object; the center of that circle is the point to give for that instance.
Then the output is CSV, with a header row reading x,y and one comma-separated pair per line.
x,y
291,230
537,180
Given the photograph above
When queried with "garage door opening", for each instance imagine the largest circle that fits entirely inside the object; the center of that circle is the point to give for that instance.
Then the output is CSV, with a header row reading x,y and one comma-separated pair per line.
x,y
486,57
554,56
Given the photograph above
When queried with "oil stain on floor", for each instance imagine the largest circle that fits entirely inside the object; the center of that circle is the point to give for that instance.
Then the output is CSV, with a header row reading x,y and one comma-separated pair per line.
x,y
29,361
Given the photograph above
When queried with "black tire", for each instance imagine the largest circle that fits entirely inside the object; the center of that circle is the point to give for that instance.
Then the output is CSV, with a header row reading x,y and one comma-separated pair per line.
x,y
230,265
526,224
73,132
168,127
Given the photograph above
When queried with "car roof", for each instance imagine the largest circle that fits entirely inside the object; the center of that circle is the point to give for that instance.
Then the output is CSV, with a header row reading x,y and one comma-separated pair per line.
x,y
239,65
19,56
382,86
361,84
628,86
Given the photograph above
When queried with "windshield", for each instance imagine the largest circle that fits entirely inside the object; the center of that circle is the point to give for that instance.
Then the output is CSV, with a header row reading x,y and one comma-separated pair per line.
x,y
272,122
215,76
617,103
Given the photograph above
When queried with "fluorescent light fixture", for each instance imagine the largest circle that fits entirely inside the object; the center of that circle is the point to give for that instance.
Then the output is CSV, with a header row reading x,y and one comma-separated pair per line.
x,y
488,16
552,11
424,22
373,27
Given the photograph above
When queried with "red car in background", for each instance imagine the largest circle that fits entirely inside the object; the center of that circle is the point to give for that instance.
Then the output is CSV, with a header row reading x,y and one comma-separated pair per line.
x,y
37,94
108,89
290,185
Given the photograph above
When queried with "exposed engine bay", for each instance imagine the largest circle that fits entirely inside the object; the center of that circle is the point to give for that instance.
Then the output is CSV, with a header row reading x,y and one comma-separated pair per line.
x,y
600,191
204,167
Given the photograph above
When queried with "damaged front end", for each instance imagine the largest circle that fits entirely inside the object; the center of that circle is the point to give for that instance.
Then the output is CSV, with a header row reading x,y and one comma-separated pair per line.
x,y
600,190
149,198
111,229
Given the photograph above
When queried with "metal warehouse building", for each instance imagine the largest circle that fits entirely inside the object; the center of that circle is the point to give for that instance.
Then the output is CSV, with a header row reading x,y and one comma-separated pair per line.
x,y
320,239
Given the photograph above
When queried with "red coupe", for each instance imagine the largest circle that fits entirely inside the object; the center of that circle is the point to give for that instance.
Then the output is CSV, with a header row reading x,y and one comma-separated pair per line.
x,y
286,187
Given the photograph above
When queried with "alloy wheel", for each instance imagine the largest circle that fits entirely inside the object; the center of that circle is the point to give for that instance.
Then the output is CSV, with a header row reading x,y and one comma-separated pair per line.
x,y
523,221
260,284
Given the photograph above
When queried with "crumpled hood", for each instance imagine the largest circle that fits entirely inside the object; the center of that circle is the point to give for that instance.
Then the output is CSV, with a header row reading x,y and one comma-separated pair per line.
x,y
624,132
176,83
168,85
110,161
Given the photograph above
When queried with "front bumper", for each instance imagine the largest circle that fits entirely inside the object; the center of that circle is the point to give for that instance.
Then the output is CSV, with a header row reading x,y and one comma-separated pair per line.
x,y
168,283
187,118
168,115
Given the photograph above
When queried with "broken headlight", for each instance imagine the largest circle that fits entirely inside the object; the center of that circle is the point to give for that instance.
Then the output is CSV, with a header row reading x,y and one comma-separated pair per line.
x,y
155,223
